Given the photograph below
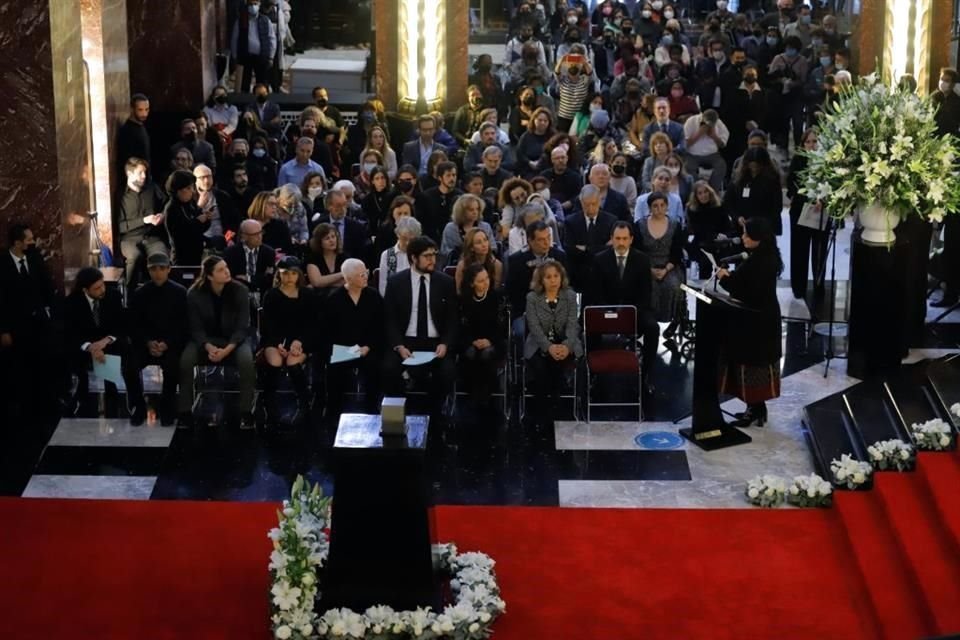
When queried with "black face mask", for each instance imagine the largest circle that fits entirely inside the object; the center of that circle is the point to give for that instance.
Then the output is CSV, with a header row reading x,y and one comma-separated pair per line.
x,y
220,99
405,185
261,98
190,137
619,169
529,100
321,102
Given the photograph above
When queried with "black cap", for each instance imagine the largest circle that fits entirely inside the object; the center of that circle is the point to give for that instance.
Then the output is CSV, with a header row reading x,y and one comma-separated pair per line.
x,y
158,260
288,263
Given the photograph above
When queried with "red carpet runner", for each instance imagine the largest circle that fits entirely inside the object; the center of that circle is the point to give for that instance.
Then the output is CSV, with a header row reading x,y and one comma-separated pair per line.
x,y
882,564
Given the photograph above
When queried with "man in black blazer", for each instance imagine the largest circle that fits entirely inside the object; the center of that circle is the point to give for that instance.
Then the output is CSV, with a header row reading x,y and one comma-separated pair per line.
x,y
435,205
27,296
520,268
96,327
416,152
586,234
251,261
623,277
418,324
158,329
353,232
611,200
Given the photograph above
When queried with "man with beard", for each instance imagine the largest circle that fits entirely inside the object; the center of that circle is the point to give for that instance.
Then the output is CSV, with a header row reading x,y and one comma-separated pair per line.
x,y
189,139
467,119
133,141
435,205
239,191
139,220
217,206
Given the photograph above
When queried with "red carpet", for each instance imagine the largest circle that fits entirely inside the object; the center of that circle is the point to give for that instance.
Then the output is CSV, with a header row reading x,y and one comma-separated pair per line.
x,y
879,565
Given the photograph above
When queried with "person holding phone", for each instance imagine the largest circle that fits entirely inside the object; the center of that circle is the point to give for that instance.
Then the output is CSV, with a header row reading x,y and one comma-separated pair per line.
x,y
574,81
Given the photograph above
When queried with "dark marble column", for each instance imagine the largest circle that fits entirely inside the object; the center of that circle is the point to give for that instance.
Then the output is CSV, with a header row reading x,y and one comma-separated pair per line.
x,y
173,46
44,169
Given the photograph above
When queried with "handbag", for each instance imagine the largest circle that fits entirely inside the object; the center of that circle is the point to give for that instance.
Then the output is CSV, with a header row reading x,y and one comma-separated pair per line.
x,y
813,218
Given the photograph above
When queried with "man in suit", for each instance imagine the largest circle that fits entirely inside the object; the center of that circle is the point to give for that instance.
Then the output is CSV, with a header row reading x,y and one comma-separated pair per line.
x,y
417,152
662,122
520,268
27,296
218,313
96,327
158,329
353,232
587,233
611,200
624,278
434,206
250,260
268,112
421,306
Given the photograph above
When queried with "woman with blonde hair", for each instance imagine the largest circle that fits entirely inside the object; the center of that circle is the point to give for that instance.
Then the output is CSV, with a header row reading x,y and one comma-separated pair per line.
x,y
291,210
467,214
660,148
478,249
265,210
708,223
377,141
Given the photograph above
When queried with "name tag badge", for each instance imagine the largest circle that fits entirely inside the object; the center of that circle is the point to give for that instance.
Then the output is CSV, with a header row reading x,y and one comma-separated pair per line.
x,y
746,192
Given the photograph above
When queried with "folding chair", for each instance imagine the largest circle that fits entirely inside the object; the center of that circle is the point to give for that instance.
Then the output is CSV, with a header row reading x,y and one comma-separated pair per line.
x,y
572,365
610,343
184,275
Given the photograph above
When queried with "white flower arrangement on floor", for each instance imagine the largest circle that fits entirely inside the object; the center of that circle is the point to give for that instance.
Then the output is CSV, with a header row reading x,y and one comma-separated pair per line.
x,y
932,435
891,454
301,545
849,472
765,491
810,491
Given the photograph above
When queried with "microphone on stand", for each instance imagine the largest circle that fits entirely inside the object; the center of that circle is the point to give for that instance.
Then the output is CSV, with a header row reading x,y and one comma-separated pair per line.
x,y
734,259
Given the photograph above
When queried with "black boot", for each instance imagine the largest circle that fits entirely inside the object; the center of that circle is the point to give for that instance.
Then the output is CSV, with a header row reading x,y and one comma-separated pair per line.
x,y
298,376
755,415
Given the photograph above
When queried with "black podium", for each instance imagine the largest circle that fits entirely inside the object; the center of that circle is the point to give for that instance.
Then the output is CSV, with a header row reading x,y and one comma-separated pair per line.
x,y
381,528
708,429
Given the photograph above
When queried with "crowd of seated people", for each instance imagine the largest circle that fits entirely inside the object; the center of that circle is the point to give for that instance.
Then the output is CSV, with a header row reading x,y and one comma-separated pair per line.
x,y
610,147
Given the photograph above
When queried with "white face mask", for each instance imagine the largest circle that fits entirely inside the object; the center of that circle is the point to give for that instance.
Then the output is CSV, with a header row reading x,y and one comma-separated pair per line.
x,y
656,4
646,13
313,192
368,167
668,14
545,194
674,171
721,4
944,87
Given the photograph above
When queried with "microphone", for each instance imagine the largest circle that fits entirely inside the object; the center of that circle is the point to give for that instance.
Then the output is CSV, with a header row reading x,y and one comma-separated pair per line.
x,y
734,259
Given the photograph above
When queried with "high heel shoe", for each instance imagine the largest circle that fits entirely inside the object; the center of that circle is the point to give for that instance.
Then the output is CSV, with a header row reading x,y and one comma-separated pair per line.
x,y
754,416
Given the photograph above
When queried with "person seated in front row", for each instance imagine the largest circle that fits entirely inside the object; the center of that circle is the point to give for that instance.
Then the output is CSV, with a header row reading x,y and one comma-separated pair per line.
x,y
400,207
586,233
661,184
421,312
158,331
394,259
467,214
354,318
96,327
218,310
478,249
251,261
520,268
553,338
482,334
287,336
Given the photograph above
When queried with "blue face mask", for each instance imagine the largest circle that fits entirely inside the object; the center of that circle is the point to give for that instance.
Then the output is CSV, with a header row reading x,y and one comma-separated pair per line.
x,y
253,9
825,61
816,42
667,40
772,41
805,19
790,52
259,153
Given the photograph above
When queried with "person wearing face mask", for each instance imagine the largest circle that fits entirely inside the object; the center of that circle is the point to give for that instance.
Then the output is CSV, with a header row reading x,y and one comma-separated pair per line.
x,y
369,161
266,110
743,113
723,15
200,149
780,18
732,75
707,74
771,46
574,80
262,170
223,117
813,90
802,27
948,122
529,70
682,105
253,45
670,42
488,82
516,45
621,182
647,24
467,119
788,73
372,114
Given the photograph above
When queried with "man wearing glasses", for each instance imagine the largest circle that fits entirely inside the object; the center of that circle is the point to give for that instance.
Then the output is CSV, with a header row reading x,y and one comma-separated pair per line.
x,y
421,309
250,260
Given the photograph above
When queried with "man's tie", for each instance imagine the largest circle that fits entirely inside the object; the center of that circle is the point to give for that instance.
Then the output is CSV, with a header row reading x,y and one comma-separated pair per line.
x,y
663,128
422,331
339,225
590,226
251,266
95,310
621,264
23,268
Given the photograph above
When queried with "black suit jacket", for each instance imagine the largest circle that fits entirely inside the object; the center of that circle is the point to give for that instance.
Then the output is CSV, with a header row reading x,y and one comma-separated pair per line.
x,y
159,313
80,327
24,301
234,320
411,152
581,260
520,268
443,307
354,239
633,289
236,258
615,204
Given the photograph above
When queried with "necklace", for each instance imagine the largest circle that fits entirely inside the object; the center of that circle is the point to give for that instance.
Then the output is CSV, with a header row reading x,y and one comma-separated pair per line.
x,y
481,298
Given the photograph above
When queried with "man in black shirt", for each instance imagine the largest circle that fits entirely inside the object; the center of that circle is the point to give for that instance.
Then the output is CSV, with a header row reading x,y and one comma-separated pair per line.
x,y
158,312
140,220
322,100
133,141
201,150
565,183
435,205
239,191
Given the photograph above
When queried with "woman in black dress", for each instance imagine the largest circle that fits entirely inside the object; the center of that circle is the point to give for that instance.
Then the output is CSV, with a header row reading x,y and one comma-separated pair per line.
x,y
355,318
386,235
757,191
750,364
287,324
184,220
325,258
802,238
376,204
483,334
708,224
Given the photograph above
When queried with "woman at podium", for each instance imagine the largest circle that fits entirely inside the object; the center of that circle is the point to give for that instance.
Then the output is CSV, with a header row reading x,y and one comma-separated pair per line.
x,y
750,361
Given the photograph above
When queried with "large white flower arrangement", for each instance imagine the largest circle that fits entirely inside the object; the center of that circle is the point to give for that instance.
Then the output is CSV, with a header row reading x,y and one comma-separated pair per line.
x,y
850,472
810,491
765,491
891,454
932,435
301,545
878,144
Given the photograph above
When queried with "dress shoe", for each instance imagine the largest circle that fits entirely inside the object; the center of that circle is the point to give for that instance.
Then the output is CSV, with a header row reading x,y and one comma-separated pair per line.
x,y
139,415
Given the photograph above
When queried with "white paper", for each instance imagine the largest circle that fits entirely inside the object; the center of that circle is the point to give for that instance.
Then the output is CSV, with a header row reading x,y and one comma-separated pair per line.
x,y
418,358
344,354
109,369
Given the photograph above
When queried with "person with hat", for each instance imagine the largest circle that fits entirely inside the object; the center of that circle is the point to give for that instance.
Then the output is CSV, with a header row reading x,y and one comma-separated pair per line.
x,y
287,335
158,329
185,222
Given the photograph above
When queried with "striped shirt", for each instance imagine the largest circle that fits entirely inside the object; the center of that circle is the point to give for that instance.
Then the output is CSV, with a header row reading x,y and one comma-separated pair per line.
x,y
573,91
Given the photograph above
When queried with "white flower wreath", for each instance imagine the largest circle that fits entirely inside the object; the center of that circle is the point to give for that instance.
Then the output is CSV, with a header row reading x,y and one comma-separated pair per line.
x,y
850,472
810,491
932,435
891,454
301,545
765,491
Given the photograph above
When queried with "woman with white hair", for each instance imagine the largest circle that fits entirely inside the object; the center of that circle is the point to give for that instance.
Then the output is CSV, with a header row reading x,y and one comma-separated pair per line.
x,y
355,319
394,259
291,210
